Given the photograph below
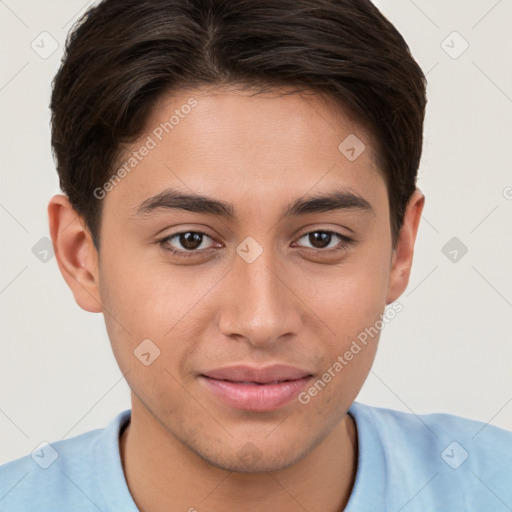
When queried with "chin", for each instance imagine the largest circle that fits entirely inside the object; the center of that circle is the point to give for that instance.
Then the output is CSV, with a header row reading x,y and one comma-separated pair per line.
x,y
243,456
252,465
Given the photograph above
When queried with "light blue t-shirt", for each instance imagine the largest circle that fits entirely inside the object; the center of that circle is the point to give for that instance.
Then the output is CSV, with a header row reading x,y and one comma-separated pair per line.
x,y
406,462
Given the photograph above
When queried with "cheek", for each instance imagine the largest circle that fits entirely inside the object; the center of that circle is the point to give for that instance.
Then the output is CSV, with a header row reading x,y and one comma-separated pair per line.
x,y
147,294
350,302
352,309
351,297
146,329
148,301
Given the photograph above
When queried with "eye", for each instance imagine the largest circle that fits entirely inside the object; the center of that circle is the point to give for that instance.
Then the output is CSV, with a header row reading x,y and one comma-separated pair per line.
x,y
192,243
322,241
186,243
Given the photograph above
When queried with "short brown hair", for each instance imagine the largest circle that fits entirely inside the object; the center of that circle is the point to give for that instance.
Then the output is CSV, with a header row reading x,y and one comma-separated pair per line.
x,y
124,55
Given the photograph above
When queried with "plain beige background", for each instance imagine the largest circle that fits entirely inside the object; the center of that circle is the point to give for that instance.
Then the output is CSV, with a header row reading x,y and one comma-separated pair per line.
x,y
450,348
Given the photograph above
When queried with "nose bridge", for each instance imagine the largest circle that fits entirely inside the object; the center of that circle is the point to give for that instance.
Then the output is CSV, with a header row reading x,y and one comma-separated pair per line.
x,y
260,307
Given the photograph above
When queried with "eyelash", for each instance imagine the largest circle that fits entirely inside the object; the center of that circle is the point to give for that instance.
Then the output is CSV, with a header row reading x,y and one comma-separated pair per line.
x,y
345,241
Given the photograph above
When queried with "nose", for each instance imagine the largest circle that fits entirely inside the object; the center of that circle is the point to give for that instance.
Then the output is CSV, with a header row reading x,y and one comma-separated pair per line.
x,y
260,305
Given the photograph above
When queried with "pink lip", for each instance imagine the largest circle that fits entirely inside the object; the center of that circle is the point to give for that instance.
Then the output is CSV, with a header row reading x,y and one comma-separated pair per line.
x,y
257,390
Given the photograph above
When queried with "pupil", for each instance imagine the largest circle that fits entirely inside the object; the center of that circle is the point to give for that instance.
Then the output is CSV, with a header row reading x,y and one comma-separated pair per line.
x,y
191,240
320,239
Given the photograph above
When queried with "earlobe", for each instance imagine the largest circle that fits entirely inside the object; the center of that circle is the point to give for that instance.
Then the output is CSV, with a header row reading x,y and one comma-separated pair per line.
x,y
403,255
75,253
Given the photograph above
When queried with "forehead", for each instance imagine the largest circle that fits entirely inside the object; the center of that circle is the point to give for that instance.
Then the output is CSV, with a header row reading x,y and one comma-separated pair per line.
x,y
235,144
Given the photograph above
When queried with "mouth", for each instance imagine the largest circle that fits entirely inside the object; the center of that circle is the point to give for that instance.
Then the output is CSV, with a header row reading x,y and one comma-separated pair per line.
x,y
257,390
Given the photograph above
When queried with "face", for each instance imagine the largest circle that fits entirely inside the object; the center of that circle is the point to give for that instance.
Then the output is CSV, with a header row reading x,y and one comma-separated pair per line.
x,y
249,297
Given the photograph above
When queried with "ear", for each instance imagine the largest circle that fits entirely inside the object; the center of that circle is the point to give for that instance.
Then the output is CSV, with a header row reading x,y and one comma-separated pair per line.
x,y
401,261
75,253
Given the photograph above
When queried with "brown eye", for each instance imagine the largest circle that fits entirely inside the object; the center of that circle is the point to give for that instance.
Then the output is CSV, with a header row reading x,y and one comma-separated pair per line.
x,y
185,243
190,240
322,240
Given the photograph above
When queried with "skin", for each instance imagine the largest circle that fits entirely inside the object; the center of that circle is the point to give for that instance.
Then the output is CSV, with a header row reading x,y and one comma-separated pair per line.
x,y
293,305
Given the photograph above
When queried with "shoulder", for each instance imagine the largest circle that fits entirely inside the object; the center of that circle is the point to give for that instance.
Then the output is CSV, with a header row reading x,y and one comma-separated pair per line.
x,y
62,475
428,426
438,458
46,477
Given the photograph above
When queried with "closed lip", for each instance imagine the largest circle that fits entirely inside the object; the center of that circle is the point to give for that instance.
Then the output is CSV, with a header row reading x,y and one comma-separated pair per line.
x,y
265,375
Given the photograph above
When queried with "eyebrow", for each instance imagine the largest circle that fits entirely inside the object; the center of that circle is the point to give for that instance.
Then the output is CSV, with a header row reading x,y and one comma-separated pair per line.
x,y
171,199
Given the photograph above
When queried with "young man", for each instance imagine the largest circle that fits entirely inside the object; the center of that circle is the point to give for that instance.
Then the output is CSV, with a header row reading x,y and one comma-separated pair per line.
x,y
241,205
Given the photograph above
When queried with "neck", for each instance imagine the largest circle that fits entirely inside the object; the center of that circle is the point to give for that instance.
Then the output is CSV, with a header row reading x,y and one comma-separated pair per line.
x,y
163,473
